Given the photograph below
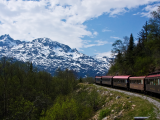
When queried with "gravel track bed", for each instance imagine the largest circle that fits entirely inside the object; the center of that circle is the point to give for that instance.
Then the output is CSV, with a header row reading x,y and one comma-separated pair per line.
x,y
156,103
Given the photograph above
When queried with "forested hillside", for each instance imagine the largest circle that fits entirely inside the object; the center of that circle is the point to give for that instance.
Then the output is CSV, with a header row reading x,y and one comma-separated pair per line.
x,y
29,94
25,92
141,57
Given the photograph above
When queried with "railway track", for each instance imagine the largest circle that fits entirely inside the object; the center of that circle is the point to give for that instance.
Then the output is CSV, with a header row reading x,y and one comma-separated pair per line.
x,y
154,100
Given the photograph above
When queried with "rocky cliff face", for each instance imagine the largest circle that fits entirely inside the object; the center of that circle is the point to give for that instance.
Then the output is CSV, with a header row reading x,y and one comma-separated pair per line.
x,y
50,55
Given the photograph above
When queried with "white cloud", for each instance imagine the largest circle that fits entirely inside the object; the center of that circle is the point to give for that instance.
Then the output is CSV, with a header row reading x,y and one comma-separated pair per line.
x,y
137,13
149,9
97,43
60,20
136,42
106,30
95,33
100,55
115,37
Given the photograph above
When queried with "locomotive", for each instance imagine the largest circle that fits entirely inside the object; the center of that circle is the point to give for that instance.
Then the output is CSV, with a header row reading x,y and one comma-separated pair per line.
x,y
146,84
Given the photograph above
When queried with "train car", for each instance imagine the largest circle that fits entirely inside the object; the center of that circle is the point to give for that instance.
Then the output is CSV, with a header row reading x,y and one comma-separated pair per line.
x,y
154,73
107,80
137,83
121,81
152,83
98,79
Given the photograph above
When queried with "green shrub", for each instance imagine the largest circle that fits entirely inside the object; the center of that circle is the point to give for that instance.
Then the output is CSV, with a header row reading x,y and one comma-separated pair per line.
x,y
104,113
89,80
67,108
94,99
64,108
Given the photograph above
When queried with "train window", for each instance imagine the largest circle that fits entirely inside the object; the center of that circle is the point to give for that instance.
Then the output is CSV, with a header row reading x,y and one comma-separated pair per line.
x,y
132,81
151,81
138,81
141,81
107,80
156,82
147,81
97,79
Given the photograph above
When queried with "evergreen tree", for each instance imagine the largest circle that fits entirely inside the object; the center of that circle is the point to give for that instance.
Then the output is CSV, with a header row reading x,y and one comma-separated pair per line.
x,y
130,55
80,80
31,67
131,44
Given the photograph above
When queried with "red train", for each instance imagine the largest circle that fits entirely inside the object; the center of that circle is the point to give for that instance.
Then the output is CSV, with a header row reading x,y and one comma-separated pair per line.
x,y
150,83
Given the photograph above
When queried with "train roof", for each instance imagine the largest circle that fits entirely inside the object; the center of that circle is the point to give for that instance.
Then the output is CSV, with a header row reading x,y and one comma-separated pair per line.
x,y
98,77
151,76
137,78
107,76
121,77
154,73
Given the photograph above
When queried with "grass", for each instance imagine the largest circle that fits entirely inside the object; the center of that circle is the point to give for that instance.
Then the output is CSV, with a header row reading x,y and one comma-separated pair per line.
x,y
126,107
104,113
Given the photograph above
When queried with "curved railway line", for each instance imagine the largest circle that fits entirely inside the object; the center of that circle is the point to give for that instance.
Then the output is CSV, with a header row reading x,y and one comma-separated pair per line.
x,y
141,95
148,86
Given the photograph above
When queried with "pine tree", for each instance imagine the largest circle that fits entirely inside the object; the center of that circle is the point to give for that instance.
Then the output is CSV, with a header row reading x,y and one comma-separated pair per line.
x,y
131,44
80,80
31,67
130,55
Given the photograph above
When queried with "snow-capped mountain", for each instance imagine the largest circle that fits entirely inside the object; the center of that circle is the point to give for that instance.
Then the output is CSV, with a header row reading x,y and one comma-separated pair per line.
x,y
50,55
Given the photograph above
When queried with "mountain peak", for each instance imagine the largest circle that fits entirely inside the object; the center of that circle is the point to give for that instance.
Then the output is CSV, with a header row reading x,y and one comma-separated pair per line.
x,y
49,55
74,50
5,36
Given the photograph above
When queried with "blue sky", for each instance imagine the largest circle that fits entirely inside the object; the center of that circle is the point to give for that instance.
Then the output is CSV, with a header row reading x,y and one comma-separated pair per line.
x,y
87,25
113,28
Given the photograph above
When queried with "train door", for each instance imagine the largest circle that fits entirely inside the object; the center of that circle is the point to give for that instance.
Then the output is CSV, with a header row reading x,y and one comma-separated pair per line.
x,y
101,81
127,81
111,82
145,83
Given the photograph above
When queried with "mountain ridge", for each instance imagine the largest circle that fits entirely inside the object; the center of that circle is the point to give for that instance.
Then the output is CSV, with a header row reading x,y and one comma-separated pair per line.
x,y
50,55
